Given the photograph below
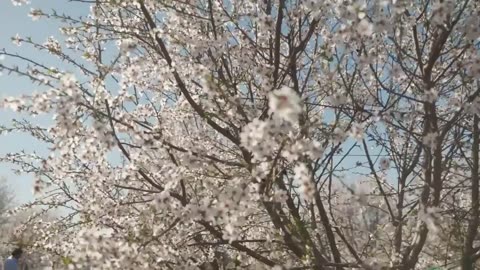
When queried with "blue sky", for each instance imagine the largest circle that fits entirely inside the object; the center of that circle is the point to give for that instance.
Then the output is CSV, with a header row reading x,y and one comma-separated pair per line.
x,y
15,20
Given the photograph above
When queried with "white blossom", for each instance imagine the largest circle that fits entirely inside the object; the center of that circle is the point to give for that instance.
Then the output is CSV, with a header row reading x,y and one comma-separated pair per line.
x,y
20,2
303,176
35,14
365,28
17,40
357,131
285,104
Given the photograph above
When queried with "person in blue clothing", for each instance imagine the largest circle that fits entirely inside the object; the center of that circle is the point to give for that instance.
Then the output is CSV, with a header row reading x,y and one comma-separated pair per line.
x,y
12,262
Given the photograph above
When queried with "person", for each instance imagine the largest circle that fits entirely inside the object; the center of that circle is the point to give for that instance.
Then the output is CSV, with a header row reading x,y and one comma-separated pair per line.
x,y
12,262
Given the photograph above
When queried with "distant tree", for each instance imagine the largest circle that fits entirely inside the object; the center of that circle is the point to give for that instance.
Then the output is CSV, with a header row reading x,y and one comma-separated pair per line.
x,y
16,231
13,232
5,200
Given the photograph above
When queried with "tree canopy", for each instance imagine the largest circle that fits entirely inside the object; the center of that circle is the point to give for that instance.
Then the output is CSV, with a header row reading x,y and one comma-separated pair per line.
x,y
246,134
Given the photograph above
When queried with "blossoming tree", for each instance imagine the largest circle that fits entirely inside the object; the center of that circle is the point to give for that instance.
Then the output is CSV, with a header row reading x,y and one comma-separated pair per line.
x,y
257,134
5,202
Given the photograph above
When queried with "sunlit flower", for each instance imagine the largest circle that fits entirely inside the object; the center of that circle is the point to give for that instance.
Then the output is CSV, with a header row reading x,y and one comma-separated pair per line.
x,y
338,135
365,28
35,14
52,45
357,131
127,45
20,2
17,40
68,80
285,104
303,176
